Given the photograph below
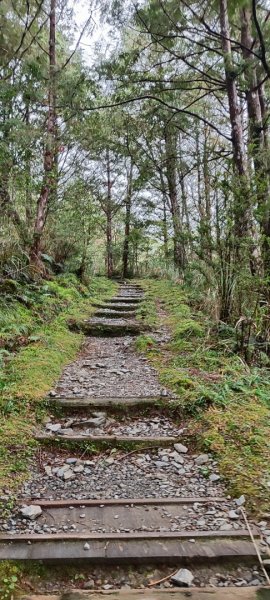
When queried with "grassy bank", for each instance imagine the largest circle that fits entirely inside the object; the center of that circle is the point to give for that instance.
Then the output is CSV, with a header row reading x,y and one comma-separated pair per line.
x,y
228,403
35,345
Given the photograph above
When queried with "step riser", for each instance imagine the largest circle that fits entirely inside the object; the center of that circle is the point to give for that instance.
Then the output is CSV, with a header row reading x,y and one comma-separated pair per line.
x,y
107,330
125,299
118,307
165,551
112,406
106,442
114,315
194,593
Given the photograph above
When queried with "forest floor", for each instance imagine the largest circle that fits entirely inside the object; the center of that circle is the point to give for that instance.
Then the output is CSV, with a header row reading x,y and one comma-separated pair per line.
x,y
209,401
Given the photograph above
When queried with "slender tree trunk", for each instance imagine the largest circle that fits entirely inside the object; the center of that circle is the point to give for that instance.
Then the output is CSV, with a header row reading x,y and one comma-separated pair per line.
x,y
171,174
258,136
242,198
207,193
204,200
164,219
109,258
126,267
48,184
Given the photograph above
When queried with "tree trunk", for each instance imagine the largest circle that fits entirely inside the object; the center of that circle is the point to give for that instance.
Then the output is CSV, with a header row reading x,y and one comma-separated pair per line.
x,y
109,257
242,197
49,160
258,136
171,174
126,268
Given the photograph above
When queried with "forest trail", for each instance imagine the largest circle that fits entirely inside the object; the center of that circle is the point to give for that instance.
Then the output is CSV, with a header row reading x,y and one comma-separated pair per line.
x,y
117,481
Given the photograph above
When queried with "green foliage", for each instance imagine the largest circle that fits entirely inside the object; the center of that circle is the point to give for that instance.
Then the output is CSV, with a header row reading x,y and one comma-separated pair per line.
x,y
144,342
29,372
228,404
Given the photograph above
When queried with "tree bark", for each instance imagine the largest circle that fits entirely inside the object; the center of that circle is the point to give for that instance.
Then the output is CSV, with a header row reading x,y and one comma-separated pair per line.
x,y
109,252
242,196
49,159
171,174
257,136
126,267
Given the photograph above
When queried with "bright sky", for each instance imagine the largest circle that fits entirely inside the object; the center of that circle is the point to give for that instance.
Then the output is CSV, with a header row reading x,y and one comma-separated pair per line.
x,y
97,36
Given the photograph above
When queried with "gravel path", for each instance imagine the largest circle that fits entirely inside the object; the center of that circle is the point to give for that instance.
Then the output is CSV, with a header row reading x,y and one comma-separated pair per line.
x,y
111,367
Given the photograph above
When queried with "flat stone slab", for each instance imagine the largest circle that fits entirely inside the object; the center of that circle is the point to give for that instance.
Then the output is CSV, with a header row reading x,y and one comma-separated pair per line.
x,y
230,593
99,328
108,313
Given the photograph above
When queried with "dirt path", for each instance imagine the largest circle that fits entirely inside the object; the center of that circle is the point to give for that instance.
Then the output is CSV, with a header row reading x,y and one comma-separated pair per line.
x,y
116,481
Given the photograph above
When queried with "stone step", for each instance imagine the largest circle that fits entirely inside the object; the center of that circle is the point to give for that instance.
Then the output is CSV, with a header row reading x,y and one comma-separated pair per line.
x,y
128,299
109,440
193,593
127,529
128,548
99,328
110,313
118,307
107,402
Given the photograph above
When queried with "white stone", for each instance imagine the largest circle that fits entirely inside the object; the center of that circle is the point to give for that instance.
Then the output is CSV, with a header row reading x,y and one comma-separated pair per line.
x,y
214,477
86,546
68,474
31,512
183,578
180,448
240,501
202,459
78,469
233,514
54,427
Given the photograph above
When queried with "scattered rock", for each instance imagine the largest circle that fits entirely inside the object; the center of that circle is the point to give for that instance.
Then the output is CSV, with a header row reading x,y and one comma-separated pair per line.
x,y
214,477
68,475
240,501
53,427
202,459
233,514
183,578
89,585
68,431
86,546
31,512
180,448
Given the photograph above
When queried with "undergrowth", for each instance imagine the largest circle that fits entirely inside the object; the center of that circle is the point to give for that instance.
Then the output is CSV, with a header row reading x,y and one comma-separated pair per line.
x,y
28,372
227,402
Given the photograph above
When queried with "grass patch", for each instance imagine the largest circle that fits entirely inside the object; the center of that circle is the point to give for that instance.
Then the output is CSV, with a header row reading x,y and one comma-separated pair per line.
x,y
28,374
228,403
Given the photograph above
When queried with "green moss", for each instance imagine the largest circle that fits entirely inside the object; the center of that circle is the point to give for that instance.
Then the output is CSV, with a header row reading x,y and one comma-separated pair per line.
x,y
144,342
30,373
227,403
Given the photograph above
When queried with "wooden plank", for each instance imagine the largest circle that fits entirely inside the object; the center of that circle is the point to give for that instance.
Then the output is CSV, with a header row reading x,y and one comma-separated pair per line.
x,y
127,551
126,501
137,536
210,593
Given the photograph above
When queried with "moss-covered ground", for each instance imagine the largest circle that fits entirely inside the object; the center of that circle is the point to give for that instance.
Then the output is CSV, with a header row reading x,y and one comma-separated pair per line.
x,y
35,344
227,402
